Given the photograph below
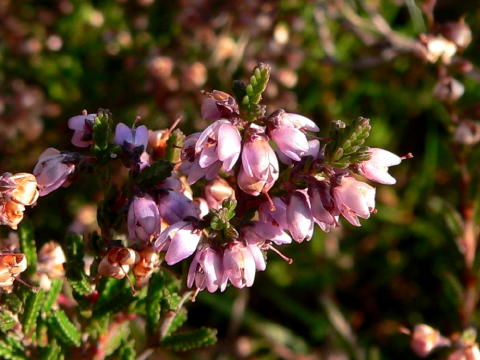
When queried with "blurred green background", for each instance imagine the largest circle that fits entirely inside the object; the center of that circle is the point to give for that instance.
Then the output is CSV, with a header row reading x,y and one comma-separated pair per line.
x,y
347,293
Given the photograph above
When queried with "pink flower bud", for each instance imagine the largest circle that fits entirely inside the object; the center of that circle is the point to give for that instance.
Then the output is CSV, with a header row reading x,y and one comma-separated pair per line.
x,y
259,166
290,141
206,270
323,207
180,239
143,218
217,191
220,141
354,199
131,137
273,223
82,125
53,169
376,168
238,265
425,339
299,216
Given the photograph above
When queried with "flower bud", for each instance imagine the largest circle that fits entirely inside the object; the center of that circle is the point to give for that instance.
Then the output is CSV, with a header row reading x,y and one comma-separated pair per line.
x,y
299,216
158,141
458,32
11,265
21,188
219,105
82,125
354,199
439,48
116,263
448,89
467,132
217,191
50,263
53,169
238,265
144,268
11,213
425,339
143,218
376,168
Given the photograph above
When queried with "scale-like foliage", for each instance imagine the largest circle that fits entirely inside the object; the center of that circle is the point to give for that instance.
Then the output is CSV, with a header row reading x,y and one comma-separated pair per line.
x,y
32,309
63,328
191,340
52,295
28,246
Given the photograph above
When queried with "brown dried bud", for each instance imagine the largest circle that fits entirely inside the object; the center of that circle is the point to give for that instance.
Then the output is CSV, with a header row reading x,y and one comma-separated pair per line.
x,y
158,141
117,262
467,132
217,191
11,213
51,259
219,105
439,48
144,268
11,265
448,89
25,192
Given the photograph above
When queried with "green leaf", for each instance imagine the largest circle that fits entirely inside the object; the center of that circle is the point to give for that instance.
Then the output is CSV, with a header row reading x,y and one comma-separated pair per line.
x,y
191,340
101,130
178,321
28,246
154,174
126,351
7,321
254,89
74,266
9,352
32,309
52,295
174,145
117,336
14,302
115,296
63,328
153,305
52,352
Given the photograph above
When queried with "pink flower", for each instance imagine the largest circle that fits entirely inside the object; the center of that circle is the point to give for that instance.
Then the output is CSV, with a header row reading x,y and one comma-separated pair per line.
x,y
425,339
53,169
299,216
143,218
180,240
376,168
190,165
354,199
287,130
219,105
206,270
220,141
82,125
238,265
259,166
174,207
323,206
273,223
131,137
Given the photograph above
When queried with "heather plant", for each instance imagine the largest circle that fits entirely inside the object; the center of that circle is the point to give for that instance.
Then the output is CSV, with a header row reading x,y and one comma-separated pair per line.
x,y
222,200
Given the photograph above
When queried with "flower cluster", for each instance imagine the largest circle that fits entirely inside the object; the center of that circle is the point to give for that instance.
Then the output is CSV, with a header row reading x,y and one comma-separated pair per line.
x,y
248,183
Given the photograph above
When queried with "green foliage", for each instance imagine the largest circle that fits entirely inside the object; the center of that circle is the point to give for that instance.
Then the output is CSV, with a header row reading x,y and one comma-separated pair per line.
x,y
153,300
9,351
28,246
115,295
52,352
253,92
346,142
174,145
178,321
154,174
75,267
126,351
63,328
102,131
32,309
220,219
7,321
52,294
191,340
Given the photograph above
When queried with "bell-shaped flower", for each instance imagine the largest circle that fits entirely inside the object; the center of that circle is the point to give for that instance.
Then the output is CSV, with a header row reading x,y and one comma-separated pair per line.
x,y
180,240
175,207
220,141
259,166
354,199
323,206
273,223
20,187
206,270
299,216
53,169
82,125
376,168
190,164
134,137
219,105
143,218
238,265
425,339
